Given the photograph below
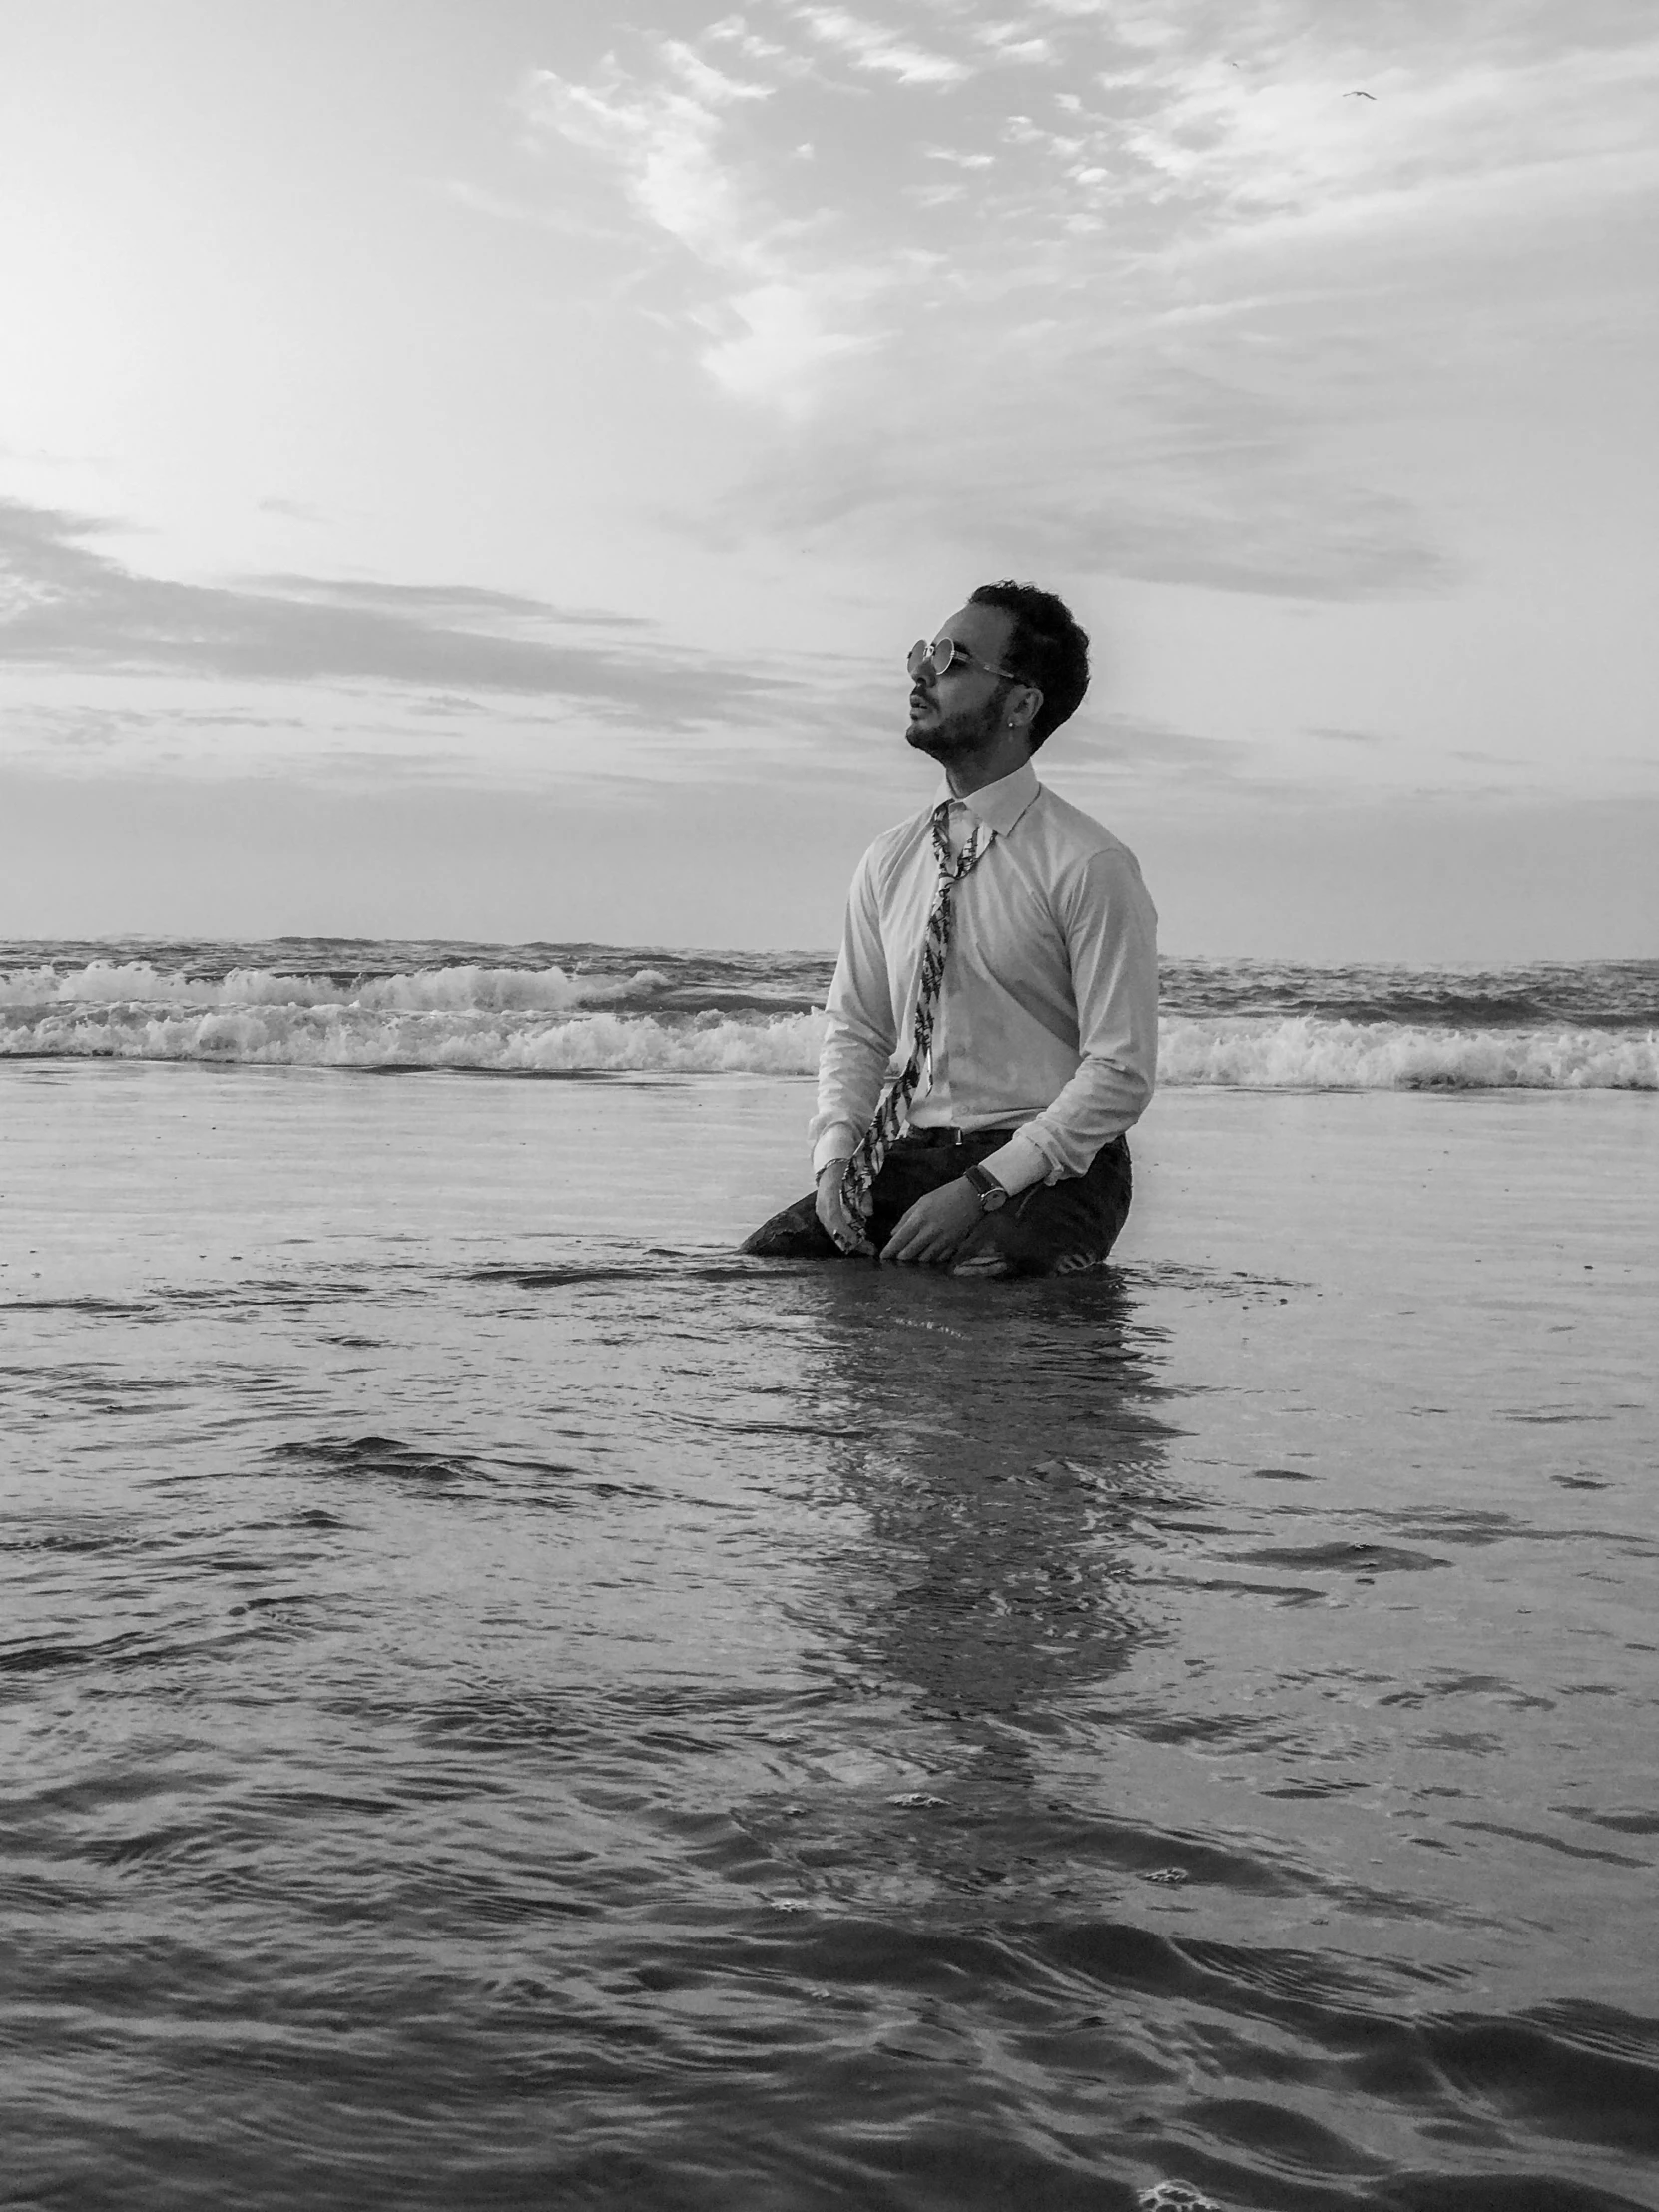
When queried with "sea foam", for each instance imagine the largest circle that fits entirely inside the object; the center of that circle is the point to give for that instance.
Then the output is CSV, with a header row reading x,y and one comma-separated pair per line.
x,y
446,989
522,1020
1305,1052
509,1042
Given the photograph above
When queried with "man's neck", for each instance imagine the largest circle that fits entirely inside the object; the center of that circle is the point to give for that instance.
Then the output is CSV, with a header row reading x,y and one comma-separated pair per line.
x,y
971,772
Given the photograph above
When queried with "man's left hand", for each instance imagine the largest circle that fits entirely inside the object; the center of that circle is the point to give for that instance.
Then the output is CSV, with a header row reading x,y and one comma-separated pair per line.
x,y
935,1228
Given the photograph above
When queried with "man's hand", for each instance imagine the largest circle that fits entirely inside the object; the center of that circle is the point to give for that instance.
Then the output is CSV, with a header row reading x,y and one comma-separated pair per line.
x,y
935,1228
832,1209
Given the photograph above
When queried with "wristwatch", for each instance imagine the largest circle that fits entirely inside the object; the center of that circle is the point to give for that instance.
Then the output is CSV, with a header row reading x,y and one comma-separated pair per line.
x,y
985,1188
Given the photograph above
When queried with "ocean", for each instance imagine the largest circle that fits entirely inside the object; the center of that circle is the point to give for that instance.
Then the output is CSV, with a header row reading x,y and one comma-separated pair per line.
x,y
592,1009
507,1702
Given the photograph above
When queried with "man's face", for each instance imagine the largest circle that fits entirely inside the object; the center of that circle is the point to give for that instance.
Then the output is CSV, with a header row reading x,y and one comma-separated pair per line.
x,y
957,712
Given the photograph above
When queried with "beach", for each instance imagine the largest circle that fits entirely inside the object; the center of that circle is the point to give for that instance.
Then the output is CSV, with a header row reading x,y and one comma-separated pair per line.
x,y
596,604
508,1702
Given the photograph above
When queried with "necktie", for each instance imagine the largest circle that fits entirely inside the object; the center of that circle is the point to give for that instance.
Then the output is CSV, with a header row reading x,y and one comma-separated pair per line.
x,y
858,1177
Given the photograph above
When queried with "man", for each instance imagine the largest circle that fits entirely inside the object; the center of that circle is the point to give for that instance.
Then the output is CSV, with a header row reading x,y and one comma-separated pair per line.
x,y
1000,953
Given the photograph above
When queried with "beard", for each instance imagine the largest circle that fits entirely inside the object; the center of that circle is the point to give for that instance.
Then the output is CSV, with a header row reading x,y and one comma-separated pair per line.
x,y
948,736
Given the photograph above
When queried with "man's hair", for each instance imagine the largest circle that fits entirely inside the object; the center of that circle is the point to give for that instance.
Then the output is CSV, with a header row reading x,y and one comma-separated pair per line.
x,y
1047,647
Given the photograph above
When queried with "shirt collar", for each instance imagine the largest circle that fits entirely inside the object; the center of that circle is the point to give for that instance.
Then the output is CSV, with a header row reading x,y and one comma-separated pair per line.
x,y
999,806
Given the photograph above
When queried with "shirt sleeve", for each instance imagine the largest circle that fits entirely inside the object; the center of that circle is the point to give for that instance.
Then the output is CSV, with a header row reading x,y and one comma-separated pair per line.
x,y
1018,1164
1111,934
860,1032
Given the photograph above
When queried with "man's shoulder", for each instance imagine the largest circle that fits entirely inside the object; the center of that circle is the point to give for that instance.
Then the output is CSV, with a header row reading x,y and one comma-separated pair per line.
x,y
895,845
1073,835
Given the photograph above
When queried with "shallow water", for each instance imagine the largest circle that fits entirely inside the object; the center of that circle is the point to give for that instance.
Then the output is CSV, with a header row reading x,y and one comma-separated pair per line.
x,y
505,1701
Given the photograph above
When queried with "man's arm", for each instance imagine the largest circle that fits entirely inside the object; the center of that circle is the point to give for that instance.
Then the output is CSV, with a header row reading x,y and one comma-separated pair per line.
x,y
860,1031
1111,934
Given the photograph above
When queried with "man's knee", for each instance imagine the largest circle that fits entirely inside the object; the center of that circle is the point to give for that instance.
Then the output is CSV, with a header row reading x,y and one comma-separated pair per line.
x,y
1058,1228
794,1234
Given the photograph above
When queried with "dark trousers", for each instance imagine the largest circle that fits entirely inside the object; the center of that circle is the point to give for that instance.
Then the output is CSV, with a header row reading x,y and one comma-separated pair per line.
x,y
1050,1229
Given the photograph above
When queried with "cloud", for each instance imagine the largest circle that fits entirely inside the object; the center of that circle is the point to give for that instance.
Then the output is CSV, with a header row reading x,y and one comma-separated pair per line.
x,y
873,48
68,606
1134,316
663,133
1131,745
500,207
1137,132
770,330
456,602
1167,475
1014,41
1209,126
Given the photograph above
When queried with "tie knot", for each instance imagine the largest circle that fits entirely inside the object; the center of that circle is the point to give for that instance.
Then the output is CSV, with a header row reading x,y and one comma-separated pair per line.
x,y
976,841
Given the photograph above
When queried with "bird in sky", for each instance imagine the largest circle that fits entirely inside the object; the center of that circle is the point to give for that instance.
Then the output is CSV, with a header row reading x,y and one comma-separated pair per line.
x,y
1358,96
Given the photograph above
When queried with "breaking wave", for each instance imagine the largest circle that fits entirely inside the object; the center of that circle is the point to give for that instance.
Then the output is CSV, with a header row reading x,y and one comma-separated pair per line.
x,y
506,1043
1303,1052
463,989
655,1019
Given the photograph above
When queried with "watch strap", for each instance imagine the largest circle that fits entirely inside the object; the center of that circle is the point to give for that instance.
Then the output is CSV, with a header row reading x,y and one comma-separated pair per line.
x,y
989,1191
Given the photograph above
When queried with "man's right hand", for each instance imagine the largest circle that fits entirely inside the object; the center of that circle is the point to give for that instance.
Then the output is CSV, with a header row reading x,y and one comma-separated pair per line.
x,y
832,1209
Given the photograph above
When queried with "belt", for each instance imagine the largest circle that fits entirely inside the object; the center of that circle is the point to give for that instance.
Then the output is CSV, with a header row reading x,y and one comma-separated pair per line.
x,y
913,1135
947,1136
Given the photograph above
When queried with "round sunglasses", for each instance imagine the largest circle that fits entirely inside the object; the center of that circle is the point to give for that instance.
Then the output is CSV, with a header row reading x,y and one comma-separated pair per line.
x,y
945,653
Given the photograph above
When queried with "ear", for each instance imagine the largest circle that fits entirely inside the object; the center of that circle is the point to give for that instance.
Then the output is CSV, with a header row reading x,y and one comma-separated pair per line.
x,y
1024,706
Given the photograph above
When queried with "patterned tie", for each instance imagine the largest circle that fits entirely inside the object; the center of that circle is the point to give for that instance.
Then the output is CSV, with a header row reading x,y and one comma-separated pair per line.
x,y
893,1112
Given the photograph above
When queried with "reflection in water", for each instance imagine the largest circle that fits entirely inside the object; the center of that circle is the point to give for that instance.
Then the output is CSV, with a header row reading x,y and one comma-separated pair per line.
x,y
998,1442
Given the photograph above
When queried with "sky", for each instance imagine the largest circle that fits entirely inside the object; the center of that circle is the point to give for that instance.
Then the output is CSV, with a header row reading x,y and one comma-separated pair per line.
x,y
477,471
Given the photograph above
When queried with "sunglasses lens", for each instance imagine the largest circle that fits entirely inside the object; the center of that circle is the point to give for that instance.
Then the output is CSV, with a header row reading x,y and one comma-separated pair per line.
x,y
937,656
916,658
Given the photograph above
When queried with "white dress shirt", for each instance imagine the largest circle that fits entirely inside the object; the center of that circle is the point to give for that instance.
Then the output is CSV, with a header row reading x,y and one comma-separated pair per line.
x,y
1048,1015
